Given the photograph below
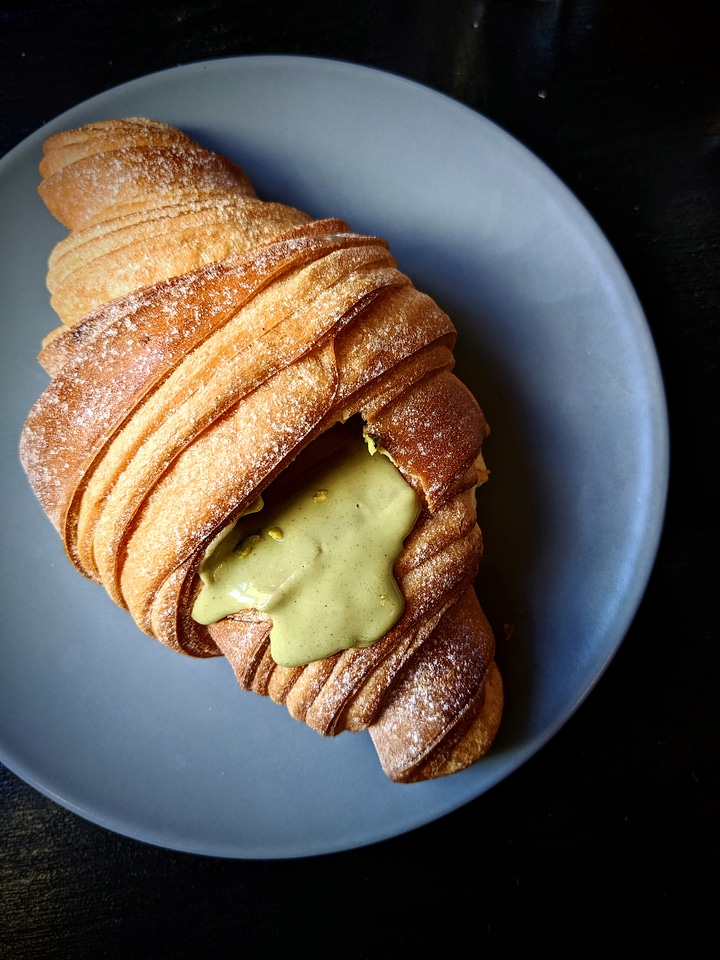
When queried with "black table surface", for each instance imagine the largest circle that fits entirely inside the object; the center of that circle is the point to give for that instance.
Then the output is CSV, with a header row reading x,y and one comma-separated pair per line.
x,y
608,836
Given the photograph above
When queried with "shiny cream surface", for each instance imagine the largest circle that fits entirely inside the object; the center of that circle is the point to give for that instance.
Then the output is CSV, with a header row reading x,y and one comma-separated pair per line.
x,y
320,560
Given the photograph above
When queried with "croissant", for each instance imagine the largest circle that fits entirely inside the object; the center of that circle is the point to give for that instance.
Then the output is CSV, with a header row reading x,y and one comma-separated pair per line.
x,y
215,351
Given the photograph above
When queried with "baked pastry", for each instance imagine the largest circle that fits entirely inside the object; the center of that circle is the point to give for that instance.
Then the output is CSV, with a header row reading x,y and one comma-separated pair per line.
x,y
217,356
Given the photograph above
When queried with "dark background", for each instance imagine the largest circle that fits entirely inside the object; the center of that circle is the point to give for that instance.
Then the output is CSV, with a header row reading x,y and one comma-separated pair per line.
x,y
607,839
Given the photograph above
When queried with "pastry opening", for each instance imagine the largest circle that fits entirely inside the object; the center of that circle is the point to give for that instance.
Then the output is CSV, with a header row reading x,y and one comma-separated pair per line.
x,y
316,552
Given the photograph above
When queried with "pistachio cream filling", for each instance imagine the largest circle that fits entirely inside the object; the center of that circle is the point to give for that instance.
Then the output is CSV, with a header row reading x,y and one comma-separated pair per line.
x,y
319,559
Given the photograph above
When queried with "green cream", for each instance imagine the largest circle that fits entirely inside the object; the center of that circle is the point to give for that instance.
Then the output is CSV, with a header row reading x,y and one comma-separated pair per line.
x,y
319,560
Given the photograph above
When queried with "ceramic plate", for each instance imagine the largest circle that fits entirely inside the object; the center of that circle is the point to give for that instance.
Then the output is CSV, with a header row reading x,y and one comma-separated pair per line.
x,y
165,749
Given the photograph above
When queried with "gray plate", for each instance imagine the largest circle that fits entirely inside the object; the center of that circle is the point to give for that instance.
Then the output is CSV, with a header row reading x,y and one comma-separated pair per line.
x,y
553,342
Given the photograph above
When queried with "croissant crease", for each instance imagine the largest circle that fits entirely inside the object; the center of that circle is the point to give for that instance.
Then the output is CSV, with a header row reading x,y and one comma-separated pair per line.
x,y
207,339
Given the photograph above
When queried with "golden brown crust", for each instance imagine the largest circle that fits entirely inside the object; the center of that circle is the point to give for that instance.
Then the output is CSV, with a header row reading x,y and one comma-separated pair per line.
x,y
187,375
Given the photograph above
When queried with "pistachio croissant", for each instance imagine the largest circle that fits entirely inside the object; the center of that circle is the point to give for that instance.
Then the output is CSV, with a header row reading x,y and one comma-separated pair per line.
x,y
212,343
